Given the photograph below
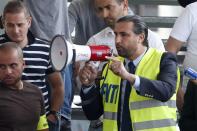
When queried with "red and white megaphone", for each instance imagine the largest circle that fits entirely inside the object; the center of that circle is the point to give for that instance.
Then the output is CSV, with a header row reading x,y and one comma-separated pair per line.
x,y
63,52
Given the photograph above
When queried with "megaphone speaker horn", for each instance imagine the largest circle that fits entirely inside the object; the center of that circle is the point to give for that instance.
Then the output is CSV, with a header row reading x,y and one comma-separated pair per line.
x,y
59,51
63,52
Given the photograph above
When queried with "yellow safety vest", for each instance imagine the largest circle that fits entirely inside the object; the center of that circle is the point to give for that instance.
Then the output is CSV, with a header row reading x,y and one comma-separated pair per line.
x,y
146,114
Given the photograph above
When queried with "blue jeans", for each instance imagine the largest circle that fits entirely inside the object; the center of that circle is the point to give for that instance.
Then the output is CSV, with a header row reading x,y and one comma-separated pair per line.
x,y
67,77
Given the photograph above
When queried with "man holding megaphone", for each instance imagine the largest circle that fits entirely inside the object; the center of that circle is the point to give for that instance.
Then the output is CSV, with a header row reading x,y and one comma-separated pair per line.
x,y
135,86
115,10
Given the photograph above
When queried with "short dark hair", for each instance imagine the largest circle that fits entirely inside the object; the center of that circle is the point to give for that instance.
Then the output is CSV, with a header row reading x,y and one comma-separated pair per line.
x,y
15,6
12,45
139,26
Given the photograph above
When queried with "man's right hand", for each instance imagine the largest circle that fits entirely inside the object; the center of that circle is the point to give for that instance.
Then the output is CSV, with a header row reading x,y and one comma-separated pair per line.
x,y
88,74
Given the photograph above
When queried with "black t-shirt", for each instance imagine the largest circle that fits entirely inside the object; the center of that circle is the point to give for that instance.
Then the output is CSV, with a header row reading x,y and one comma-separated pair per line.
x,y
20,110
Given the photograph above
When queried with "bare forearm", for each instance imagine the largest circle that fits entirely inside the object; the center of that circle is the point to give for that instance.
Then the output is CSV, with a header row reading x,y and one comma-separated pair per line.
x,y
57,98
173,45
57,90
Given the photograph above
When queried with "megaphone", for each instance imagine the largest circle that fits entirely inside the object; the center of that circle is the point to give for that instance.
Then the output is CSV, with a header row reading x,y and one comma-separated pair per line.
x,y
62,52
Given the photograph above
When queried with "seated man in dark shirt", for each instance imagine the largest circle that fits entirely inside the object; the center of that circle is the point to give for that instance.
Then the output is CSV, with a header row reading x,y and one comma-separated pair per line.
x,y
21,103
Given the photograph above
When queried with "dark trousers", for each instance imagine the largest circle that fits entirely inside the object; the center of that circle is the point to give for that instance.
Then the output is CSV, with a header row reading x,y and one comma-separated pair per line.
x,y
65,125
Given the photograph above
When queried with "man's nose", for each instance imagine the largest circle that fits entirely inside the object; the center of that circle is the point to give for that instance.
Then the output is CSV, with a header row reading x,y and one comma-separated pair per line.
x,y
105,13
8,70
117,39
16,29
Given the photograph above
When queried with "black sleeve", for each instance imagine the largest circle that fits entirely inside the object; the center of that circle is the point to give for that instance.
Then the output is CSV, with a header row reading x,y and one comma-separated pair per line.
x,y
164,87
92,103
188,119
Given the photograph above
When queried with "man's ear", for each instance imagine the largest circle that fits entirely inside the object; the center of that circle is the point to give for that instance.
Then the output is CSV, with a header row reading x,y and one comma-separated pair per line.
x,y
141,37
126,4
125,7
29,19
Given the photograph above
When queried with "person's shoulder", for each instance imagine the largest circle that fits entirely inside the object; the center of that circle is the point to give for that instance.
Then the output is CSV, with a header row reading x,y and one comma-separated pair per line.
x,y
154,37
191,9
103,32
164,54
42,41
35,41
101,36
169,55
192,5
38,42
153,34
31,87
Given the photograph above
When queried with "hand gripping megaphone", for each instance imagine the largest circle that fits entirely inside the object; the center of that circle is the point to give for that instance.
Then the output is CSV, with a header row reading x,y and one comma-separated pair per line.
x,y
62,52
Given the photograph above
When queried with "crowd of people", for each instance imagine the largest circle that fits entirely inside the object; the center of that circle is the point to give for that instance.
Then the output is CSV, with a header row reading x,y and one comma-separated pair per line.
x,y
136,90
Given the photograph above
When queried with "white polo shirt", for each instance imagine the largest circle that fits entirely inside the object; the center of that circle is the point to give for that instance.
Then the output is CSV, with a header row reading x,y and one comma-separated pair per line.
x,y
185,30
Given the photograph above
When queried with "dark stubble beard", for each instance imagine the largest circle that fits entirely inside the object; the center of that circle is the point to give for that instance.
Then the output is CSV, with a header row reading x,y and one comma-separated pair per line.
x,y
126,53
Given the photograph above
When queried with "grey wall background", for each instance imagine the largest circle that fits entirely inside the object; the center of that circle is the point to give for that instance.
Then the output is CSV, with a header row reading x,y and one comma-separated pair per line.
x,y
2,4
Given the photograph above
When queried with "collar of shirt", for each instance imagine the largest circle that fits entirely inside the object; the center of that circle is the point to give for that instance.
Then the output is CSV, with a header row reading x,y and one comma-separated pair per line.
x,y
138,59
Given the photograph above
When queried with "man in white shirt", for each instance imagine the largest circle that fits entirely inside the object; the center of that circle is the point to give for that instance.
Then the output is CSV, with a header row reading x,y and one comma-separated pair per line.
x,y
185,30
115,10
110,11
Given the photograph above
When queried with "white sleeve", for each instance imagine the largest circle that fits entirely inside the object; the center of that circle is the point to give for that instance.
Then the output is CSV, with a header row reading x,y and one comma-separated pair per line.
x,y
183,26
91,41
154,41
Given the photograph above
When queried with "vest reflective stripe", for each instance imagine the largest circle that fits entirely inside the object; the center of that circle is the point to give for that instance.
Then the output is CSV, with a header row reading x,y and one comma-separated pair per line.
x,y
151,103
154,124
109,86
110,115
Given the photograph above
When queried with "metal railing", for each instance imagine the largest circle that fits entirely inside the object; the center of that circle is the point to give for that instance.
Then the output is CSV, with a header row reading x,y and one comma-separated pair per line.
x,y
159,22
153,2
